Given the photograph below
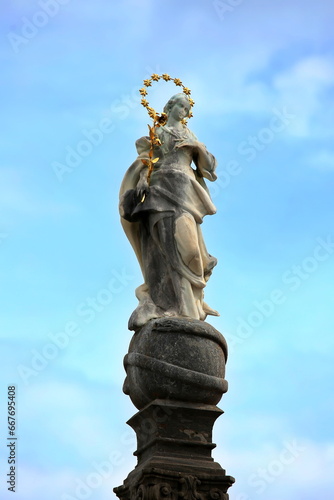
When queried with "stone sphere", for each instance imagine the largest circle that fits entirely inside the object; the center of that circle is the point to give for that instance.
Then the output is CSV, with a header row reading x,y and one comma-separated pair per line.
x,y
176,359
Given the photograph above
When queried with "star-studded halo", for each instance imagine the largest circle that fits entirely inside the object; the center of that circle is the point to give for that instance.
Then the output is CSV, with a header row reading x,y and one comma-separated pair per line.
x,y
158,120
161,119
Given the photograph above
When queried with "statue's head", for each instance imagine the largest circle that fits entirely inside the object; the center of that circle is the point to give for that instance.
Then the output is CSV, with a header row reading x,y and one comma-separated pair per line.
x,y
177,99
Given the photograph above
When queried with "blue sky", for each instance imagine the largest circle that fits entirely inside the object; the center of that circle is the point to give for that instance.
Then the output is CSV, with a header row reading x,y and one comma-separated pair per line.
x,y
262,77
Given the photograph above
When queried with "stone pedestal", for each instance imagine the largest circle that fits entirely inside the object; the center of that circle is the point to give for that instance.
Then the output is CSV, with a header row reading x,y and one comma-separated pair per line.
x,y
174,444
175,376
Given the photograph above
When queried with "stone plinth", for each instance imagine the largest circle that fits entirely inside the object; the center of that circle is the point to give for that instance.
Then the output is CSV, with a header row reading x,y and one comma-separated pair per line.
x,y
174,444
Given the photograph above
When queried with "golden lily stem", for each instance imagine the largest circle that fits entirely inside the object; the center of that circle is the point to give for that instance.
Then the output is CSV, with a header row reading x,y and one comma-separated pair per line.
x,y
151,164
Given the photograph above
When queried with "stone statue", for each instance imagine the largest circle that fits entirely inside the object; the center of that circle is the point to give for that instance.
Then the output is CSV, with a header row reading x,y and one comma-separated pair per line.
x,y
162,220
175,365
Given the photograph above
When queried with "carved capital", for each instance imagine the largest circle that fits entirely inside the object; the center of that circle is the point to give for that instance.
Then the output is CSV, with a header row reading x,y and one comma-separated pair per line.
x,y
189,486
217,494
155,491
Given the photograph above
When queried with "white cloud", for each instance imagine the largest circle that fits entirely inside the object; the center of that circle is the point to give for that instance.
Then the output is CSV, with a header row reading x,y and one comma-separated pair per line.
x,y
72,416
292,469
91,482
300,90
230,91
73,434
322,160
236,88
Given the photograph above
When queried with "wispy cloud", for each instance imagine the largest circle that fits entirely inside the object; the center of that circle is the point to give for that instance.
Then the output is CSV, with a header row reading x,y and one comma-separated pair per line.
x,y
302,465
301,87
322,160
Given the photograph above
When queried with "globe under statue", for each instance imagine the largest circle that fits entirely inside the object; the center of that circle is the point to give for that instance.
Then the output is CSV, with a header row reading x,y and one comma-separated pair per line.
x,y
176,361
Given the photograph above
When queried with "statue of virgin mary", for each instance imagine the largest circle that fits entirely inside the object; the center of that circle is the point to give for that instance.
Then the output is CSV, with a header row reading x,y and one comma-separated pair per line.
x,y
162,220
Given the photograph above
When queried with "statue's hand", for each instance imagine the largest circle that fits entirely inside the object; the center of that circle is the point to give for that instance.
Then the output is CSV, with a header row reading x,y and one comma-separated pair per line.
x,y
142,189
182,143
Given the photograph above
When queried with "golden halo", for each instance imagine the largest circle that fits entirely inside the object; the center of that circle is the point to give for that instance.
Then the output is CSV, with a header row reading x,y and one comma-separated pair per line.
x,y
162,118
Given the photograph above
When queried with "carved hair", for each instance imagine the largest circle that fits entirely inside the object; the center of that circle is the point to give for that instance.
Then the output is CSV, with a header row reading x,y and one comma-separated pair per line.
x,y
173,100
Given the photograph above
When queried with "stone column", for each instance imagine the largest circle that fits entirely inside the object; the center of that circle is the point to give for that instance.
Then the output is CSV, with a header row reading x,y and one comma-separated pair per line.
x,y
175,377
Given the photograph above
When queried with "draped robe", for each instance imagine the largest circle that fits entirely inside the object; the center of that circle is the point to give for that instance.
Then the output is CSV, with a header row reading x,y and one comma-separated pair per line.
x,y
164,228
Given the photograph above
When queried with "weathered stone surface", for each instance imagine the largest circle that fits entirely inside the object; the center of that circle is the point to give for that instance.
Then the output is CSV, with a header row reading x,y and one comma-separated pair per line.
x,y
176,362
162,216
176,359
174,444
158,484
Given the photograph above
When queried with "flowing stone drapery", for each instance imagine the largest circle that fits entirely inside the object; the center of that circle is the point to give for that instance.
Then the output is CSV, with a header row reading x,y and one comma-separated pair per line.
x,y
164,226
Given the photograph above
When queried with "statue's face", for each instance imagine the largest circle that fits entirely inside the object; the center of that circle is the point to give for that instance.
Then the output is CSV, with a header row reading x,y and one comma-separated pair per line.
x,y
180,109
